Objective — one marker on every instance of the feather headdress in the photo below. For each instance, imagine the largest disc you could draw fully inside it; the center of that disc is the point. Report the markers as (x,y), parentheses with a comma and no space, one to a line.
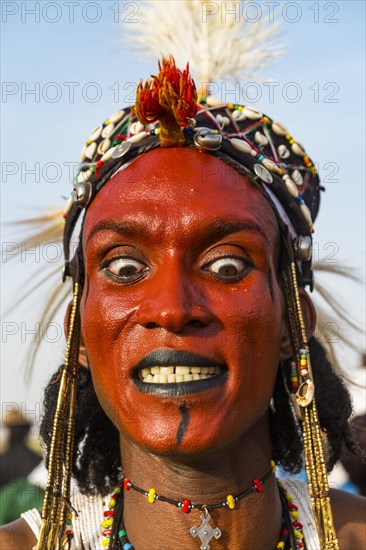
(219,39)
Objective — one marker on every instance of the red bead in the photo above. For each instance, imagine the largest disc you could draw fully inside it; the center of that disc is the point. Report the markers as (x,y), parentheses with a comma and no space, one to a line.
(106,532)
(115,496)
(126,485)
(258,486)
(108,513)
(297,524)
(186,508)
(292,506)
(299,544)
(69,532)
(284,532)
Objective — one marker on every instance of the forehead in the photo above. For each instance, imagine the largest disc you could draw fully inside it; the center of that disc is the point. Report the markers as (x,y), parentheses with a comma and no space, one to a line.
(181,187)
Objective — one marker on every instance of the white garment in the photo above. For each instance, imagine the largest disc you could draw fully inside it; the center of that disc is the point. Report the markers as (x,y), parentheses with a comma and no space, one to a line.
(86,525)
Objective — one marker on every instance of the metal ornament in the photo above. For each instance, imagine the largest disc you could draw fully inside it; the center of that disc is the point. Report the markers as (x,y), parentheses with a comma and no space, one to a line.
(205,532)
(263,173)
(207,139)
(302,246)
(82,193)
(121,149)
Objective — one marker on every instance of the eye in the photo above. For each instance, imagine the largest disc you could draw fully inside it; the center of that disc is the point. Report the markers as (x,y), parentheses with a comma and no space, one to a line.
(229,268)
(126,269)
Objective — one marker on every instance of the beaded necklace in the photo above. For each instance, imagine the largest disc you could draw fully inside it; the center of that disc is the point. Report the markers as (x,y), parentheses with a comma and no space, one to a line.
(291,530)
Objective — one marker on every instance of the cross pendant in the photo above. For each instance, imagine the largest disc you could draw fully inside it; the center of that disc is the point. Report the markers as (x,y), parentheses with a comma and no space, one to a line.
(205,532)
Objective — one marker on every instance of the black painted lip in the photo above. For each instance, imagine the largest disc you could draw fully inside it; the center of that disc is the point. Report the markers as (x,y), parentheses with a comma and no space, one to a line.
(175,357)
(181,388)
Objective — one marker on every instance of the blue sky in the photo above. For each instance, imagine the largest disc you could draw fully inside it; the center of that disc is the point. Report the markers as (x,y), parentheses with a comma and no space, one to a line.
(325,63)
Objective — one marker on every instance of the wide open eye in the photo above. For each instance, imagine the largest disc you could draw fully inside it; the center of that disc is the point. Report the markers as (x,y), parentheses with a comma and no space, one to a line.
(229,268)
(126,269)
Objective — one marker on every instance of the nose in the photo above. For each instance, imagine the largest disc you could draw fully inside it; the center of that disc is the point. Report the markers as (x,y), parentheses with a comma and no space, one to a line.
(173,303)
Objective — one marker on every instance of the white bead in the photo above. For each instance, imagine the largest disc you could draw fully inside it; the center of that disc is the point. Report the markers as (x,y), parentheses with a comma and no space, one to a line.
(108,154)
(241,145)
(306,213)
(83,153)
(137,137)
(279,129)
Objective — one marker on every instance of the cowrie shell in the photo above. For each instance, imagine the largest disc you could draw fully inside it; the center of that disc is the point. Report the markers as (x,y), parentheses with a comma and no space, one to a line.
(279,128)
(104,146)
(305,393)
(241,145)
(252,114)
(297,177)
(90,150)
(136,127)
(298,149)
(116,117)
(108,130)
(222,120)
(260,138)
(290,185)
(95,134)
(283,151)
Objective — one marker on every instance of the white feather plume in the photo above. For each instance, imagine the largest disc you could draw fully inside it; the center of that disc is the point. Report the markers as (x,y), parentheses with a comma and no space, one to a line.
(215,37)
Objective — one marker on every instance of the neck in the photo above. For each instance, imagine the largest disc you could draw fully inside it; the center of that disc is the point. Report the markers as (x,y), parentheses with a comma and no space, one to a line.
(204,479)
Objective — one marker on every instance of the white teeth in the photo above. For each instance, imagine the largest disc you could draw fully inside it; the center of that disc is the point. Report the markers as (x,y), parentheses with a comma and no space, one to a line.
(174,374)
(182,370)
(166,370)
(196,370)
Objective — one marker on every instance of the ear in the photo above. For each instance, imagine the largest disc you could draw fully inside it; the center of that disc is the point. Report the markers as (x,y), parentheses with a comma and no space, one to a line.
(309,317)
(83,357)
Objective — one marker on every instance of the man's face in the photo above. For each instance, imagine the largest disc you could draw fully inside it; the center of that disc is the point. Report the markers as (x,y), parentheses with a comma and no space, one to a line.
(180,256)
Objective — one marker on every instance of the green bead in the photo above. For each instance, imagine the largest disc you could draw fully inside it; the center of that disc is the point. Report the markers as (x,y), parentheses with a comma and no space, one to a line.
(121,533)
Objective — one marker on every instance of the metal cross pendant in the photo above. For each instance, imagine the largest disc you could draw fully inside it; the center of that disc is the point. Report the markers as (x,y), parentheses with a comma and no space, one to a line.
(205,532)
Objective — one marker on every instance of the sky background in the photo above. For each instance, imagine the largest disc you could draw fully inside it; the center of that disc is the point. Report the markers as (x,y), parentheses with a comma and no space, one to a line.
(53,52)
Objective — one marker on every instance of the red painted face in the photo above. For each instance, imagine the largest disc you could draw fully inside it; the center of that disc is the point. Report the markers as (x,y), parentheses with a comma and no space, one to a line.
(180,254)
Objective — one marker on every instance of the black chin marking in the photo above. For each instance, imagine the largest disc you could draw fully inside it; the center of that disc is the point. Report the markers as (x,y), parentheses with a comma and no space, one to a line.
(270,283)
(183,425)
(87,287)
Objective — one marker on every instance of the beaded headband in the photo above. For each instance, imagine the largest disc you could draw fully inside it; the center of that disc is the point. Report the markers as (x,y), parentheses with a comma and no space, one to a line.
(167,114)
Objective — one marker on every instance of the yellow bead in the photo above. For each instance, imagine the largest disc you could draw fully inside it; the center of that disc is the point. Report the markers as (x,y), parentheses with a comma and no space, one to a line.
(230,105)
(240,108)
(280,545)
(112,503)
(295,514)
(105,542)
(289,497)
(107,522)
(69,515)
(303,362)
(273,466)
(117,490)
(230,502)
(151,495)
(298,534)
(106,122)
